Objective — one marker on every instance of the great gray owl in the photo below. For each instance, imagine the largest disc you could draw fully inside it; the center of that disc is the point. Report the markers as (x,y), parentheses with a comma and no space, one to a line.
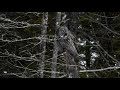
(65,41)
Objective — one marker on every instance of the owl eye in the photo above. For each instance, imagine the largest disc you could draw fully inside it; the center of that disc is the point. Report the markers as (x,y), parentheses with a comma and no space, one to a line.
(65,34)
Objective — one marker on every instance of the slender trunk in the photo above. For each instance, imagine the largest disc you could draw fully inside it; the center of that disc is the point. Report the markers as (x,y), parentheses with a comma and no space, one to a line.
(55,49)
(72,70)
(73,24)
(88,55)
(43,44)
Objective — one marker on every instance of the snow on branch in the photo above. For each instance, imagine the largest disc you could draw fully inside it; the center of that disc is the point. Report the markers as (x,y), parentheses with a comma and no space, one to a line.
(15,24)
(99,70)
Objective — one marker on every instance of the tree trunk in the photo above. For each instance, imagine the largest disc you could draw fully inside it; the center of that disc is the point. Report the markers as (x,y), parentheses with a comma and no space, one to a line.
(55,49)
(88,55)
(43,44)
(72,25)
(72,70)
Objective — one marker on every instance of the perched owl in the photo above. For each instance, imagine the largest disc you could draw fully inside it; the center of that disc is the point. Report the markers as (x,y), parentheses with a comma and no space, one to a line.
(65,41)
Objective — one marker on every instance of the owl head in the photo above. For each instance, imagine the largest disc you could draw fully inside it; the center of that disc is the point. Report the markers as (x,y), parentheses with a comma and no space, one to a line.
(62,32)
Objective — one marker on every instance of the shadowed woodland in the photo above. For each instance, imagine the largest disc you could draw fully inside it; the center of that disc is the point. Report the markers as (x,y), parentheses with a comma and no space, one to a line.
(59,44)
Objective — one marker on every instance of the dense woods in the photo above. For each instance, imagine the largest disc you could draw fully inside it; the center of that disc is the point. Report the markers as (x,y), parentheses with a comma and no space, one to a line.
(59,44)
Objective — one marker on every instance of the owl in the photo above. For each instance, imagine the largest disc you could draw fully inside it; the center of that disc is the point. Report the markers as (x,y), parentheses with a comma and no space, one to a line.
(65,41)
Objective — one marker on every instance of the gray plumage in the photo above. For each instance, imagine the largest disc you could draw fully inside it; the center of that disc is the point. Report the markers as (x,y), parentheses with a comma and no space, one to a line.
(65,41)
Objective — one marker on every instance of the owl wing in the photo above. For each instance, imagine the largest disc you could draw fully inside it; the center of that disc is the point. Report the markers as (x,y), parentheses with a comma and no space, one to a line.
(71,48)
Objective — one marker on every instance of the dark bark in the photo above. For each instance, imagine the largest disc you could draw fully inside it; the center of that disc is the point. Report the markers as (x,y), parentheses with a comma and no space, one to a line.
(87,54)
(73,23)
(71,69)
(72,58)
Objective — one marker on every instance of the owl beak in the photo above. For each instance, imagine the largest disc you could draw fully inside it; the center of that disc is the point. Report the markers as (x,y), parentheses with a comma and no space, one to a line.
(62,36)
